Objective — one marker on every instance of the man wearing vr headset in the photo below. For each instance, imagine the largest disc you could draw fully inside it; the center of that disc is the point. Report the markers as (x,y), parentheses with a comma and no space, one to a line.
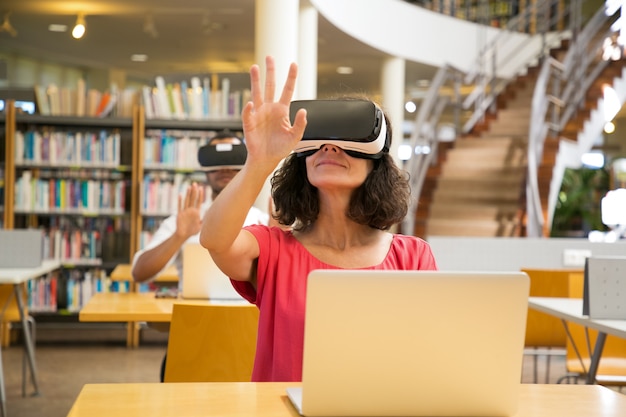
(339,189)
(222,158)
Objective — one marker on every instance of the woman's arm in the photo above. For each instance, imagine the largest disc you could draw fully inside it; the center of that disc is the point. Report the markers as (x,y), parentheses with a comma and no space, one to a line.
(270,137)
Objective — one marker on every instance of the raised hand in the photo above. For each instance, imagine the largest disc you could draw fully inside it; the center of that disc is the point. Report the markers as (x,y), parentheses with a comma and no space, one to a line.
(188,220)
(269,134)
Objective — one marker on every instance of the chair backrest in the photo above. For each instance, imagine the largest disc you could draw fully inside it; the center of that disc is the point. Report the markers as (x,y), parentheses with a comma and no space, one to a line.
(613,360)
(544,330)
(211,343)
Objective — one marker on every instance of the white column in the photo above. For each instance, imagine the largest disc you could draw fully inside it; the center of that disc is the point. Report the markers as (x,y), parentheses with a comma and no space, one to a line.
(393,75)
(307,52)
(276,34)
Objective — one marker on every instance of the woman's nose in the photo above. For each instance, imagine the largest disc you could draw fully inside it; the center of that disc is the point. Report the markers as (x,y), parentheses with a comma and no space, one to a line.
(327,147)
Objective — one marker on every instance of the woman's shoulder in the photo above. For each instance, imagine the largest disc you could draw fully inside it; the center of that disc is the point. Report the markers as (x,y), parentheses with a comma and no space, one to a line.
(270,232)
(411,252)
(407,240)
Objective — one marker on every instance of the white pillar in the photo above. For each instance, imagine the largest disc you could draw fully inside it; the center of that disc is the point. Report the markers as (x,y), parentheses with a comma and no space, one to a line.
(393,75)
(276,34)
(307,52)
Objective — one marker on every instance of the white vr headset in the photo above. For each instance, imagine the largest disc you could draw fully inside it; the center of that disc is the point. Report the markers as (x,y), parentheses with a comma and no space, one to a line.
(222,156)
(356,126)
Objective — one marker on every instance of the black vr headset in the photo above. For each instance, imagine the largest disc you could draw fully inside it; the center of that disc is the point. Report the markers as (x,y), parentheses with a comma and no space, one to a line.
(222,156)
(356,126)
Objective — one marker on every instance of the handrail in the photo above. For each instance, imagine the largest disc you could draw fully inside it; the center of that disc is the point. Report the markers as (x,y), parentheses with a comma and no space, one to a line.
(485,86)
(569,80)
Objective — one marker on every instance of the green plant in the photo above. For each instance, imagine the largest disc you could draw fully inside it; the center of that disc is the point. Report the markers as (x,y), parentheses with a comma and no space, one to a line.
(578,206)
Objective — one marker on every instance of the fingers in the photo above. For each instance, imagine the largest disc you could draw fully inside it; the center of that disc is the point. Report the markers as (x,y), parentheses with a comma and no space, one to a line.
(255,88)
(270,81)
(299,123)
(194,197)
(290,84)
(200,197)
(188,196)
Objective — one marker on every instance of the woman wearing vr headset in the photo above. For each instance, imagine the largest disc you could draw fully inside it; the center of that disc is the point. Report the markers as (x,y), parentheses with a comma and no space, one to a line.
(340,192)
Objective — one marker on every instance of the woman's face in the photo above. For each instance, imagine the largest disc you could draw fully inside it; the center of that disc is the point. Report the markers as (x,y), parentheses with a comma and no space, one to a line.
(332,168)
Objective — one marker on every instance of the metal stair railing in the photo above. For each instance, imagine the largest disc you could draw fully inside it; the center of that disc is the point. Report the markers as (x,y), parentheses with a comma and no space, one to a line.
(559,93)
(448,87)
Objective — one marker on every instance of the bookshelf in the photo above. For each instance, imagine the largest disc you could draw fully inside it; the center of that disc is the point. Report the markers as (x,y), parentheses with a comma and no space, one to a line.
(86,183)
(72,181)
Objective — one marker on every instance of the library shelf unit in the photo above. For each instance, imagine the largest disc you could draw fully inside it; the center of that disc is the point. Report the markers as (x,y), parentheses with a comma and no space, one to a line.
(81,180)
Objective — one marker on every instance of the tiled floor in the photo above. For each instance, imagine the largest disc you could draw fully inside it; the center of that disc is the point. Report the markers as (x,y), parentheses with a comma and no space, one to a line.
(64,368)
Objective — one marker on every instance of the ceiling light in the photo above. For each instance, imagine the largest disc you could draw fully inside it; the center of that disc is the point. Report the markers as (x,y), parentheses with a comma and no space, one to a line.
(149,27)
(55,27)
(139,57)
(7,27)
(79,28)
(345,70)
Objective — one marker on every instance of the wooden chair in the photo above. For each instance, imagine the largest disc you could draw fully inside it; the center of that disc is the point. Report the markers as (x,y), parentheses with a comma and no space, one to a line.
(612,366)
(211,343)
(545,335)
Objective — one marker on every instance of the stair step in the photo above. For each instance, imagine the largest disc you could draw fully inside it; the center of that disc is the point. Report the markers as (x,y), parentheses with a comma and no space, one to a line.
(465,228)
(490,184)
(460,195)
(473,211)
(492,141)
(449,171)
(487,157)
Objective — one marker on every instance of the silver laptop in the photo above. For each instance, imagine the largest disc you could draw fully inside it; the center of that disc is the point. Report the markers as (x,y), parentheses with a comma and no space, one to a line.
(412,343)
(202,279)
(21,248)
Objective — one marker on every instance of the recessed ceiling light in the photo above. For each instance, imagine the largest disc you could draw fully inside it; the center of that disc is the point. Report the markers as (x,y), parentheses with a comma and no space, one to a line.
(345,70)
(139,57)
(57,28)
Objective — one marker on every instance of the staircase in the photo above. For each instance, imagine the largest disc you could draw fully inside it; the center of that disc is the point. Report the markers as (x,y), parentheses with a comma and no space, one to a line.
(477,188)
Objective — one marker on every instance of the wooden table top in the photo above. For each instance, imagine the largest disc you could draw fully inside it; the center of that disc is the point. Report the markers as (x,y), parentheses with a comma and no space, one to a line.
(122,272)
(136,306)
(270,400)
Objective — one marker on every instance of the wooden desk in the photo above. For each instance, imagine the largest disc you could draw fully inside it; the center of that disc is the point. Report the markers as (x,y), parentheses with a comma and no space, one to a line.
(571,309)
(16,277)
(122,272)
(133,307)
(270,400)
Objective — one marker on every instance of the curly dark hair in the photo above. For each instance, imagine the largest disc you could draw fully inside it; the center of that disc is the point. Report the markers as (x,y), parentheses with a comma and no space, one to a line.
(380,202)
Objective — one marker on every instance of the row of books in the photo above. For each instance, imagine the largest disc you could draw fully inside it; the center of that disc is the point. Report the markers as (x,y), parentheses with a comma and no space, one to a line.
(47,147)
(73,246)
(69,289)
(42,294)
(174,149)
(160,191)
(199,99)
(80,286)
(52,100)
(69,195)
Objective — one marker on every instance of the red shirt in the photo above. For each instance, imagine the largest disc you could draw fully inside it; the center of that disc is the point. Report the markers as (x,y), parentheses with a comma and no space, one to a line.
(283,267)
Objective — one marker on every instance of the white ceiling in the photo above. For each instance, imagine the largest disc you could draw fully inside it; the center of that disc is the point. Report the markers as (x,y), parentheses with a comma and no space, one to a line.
(193,37)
